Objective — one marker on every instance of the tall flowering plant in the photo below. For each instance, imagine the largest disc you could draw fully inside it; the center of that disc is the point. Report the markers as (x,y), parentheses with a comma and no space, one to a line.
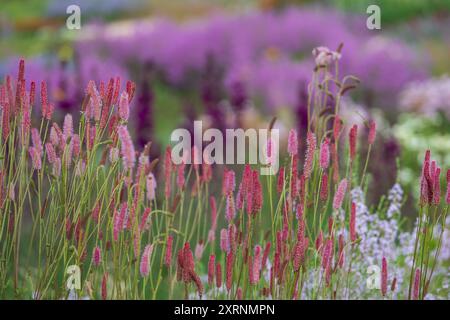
(80,194)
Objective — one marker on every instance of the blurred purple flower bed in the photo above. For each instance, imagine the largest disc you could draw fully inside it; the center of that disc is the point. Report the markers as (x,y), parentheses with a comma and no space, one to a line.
(258,54)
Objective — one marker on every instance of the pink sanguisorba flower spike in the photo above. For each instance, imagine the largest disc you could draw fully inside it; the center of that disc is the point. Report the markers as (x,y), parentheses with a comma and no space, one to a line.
(325,154)
(32,92)
(144,225)
(35,158)
(229,270)
(353,136)
(212,202)
(67,127)
(309,158)
(151,186)
(416,288)
(230,210)
(76,147)
(36,140)
(124,107)
(211,269)
(218,275)
(239,293)
(168,255)
(127,148)
(265,255)
(447,198)
(224,240)
(144,267)
(372,132)
(56,170)
(353,223)
(167,172)
(257,264)
(340,194)
(258,195)
(280,182)
(293,142)
(104,286)
(97,256)
(44,100)
(384,276)
(437,187)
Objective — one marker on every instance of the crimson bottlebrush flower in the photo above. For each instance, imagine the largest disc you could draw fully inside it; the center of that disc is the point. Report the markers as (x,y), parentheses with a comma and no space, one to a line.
(151,186)
(416,288)
(325,154)
(352,141)
(97,256)
(353,223)
(393,284)
(124,108)
(168,171)
(437,187)
(341,257)
(35,158)
(144,225)
(265,255)
(168,255)
(187,263)
(75,145)
(337,126)
(56,170)
(116,91)
(230,182)
(293,142)
(372,131)
(340,194)
(144,267)
(384,276)
(326,254)
(229,270)
(294,174)
(257,196)
(113,154)
(230,210)
(299,253)
(256,265)
(51,154)
(117,225)
(218,275)
(447,198)
(96,212)
(127,148)
(224,240)
(324,187)
(32,92)
(5,120)
(299,212)
(309,158)
(44,100)
(37,142)
(131,88)
(67,127)
(239,293)
(232,238)
(335,159)
(212,202)
(104,286)
(280,182)
(211,269)
(426,183)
